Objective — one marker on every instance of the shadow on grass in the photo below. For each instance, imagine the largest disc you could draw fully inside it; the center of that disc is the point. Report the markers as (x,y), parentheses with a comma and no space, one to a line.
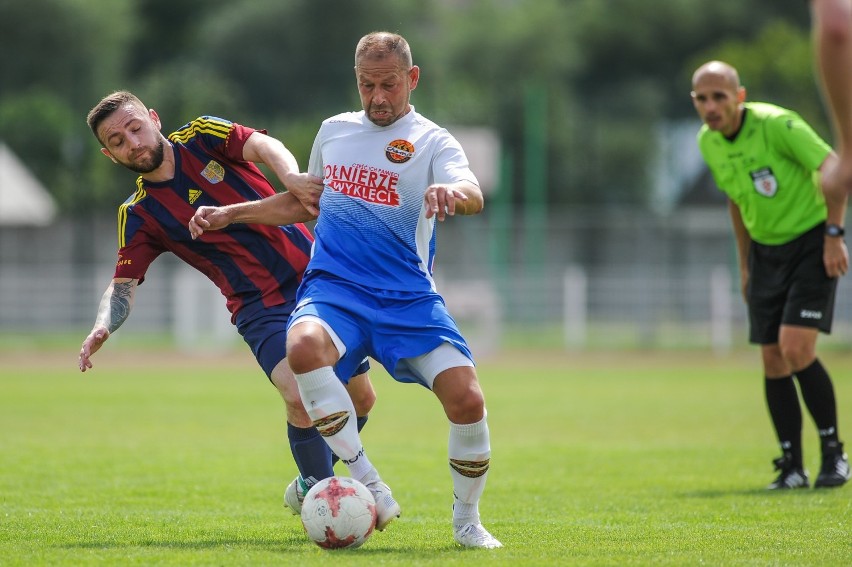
(754,492)
(272,545)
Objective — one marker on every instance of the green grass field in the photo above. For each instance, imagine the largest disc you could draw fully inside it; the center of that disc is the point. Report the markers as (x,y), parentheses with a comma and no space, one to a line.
(608,459)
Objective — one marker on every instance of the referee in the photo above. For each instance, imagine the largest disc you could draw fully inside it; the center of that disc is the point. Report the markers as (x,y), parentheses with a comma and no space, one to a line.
(791,253)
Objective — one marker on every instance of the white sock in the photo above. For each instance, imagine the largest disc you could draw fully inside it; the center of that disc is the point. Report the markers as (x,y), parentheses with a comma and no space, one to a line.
(470,453)
(328,404)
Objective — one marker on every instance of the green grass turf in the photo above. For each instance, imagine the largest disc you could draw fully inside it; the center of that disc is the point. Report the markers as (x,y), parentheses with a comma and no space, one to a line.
(607,459)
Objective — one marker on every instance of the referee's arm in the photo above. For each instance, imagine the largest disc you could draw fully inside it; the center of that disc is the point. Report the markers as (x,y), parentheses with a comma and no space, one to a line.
(743,243)
(835,254)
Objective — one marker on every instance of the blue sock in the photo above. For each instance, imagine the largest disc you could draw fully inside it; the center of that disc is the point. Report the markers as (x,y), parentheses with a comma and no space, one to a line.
(312,455)
(361,421)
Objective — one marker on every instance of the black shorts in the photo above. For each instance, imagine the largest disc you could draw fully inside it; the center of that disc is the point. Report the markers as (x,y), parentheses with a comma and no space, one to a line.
(788,286)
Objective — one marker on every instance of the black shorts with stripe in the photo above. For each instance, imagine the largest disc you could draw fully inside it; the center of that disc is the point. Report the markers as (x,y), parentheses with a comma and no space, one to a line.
(788,286)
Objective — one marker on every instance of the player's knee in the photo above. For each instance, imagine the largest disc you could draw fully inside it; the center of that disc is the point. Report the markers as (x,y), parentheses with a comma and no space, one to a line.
(798,355)
(467,406)
(363,396)
(309,347)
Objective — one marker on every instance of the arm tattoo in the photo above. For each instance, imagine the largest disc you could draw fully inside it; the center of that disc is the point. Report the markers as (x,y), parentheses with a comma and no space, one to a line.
(119,305)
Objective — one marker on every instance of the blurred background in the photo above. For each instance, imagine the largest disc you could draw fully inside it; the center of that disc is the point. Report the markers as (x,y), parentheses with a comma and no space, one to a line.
(602,227)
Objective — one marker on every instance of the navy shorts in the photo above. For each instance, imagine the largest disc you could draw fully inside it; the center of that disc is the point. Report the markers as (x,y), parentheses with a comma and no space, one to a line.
(788,286)
(266,335)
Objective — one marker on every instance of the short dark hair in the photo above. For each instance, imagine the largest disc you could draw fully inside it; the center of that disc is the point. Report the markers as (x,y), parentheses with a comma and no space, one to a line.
(380,44)
(107,106)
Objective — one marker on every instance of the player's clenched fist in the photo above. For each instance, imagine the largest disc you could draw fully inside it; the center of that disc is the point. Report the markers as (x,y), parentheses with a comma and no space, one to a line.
(208,218)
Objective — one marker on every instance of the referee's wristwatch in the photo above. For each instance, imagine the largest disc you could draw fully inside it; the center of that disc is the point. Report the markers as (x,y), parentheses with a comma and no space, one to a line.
(834,230)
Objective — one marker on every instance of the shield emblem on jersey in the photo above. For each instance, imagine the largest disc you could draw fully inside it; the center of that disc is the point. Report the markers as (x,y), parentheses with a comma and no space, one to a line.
(765,182)
(213,172)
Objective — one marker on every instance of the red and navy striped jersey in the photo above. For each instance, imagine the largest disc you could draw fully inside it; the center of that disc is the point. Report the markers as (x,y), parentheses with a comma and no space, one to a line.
(255,266)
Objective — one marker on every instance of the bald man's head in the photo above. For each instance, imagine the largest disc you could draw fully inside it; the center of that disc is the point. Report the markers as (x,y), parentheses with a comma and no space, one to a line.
(720,70)
(718,97)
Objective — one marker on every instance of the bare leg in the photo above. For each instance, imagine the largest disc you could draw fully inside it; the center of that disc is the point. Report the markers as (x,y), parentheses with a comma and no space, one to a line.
(832,34)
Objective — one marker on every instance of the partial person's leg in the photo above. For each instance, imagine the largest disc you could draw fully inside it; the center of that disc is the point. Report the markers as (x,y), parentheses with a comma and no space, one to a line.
(363,398)
(310,452)
(362,394)
(454,382)
(818,395)
(312,354)
(782,400)
(266,336)
(470,443)
(832,35)
(798,345)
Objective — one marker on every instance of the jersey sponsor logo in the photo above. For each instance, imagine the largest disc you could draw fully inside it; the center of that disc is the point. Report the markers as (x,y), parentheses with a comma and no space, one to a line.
(213,172)
(193,195)
(399,151)
(371,184)
(810,314)
(764,181)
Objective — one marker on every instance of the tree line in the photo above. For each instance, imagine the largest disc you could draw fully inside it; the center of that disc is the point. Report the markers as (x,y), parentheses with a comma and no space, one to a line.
(607,72)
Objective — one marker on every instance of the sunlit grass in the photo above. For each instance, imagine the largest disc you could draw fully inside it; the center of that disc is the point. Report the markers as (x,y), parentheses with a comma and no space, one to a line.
(609,459)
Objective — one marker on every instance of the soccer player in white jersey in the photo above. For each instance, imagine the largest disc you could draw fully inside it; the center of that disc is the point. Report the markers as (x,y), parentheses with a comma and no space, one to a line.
(389,174)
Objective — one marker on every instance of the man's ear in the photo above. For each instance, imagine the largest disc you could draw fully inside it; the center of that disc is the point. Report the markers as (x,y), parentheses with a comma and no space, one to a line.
(413,76)
(108,154)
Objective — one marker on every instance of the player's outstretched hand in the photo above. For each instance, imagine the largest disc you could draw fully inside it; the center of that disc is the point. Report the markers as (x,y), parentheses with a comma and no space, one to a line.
(207,218)
(441,201)
(307,189)
(91,345)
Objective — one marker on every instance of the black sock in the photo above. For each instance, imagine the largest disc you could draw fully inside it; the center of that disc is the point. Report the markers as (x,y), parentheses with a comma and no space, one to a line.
(818,394)
(362,421)
(783,403)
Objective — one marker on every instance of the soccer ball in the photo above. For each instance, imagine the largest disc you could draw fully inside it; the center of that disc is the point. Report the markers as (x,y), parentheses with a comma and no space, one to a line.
(339,512)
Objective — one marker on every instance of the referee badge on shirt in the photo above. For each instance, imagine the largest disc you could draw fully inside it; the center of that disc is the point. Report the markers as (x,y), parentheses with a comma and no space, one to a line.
(764,181)
(213,172)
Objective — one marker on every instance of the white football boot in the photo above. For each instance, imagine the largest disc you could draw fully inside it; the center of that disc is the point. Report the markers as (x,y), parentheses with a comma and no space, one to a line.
(475,535)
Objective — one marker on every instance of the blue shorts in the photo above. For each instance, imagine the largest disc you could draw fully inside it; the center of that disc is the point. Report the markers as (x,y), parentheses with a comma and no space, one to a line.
(266,335)
(385,325)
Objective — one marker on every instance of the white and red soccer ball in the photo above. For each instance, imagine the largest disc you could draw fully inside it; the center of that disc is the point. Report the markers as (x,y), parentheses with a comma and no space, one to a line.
(339,512)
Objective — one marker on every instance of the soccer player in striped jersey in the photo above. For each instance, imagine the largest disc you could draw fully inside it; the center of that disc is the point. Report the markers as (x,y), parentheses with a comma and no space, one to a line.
(791,252)
(211,161)
(389,174)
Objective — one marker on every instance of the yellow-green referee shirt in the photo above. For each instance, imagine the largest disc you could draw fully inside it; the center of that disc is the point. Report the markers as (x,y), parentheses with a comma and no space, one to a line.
(769,171)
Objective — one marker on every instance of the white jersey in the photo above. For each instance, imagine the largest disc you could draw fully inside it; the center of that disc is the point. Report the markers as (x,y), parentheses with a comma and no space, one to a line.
(372,227)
